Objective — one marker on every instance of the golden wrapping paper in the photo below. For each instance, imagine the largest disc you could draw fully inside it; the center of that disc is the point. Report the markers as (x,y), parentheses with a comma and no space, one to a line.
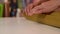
(52,19)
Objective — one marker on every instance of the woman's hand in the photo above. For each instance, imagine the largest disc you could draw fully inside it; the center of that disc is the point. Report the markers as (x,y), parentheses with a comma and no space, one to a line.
(45,7)
(30,6)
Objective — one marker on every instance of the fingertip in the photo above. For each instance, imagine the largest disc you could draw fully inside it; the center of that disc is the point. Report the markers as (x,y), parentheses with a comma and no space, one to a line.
(40,11)
(30,14)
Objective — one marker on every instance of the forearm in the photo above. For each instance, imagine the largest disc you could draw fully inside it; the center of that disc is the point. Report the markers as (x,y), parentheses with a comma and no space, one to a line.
(57,1)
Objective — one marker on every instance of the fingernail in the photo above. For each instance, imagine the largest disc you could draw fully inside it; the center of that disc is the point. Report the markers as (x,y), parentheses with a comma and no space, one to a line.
(39,11)
(30,14)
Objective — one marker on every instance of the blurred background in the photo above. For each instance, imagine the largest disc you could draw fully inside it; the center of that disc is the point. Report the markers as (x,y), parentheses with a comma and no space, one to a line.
(8,8)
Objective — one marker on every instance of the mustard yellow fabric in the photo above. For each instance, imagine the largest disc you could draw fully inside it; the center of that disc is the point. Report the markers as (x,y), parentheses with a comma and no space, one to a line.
(51,19)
